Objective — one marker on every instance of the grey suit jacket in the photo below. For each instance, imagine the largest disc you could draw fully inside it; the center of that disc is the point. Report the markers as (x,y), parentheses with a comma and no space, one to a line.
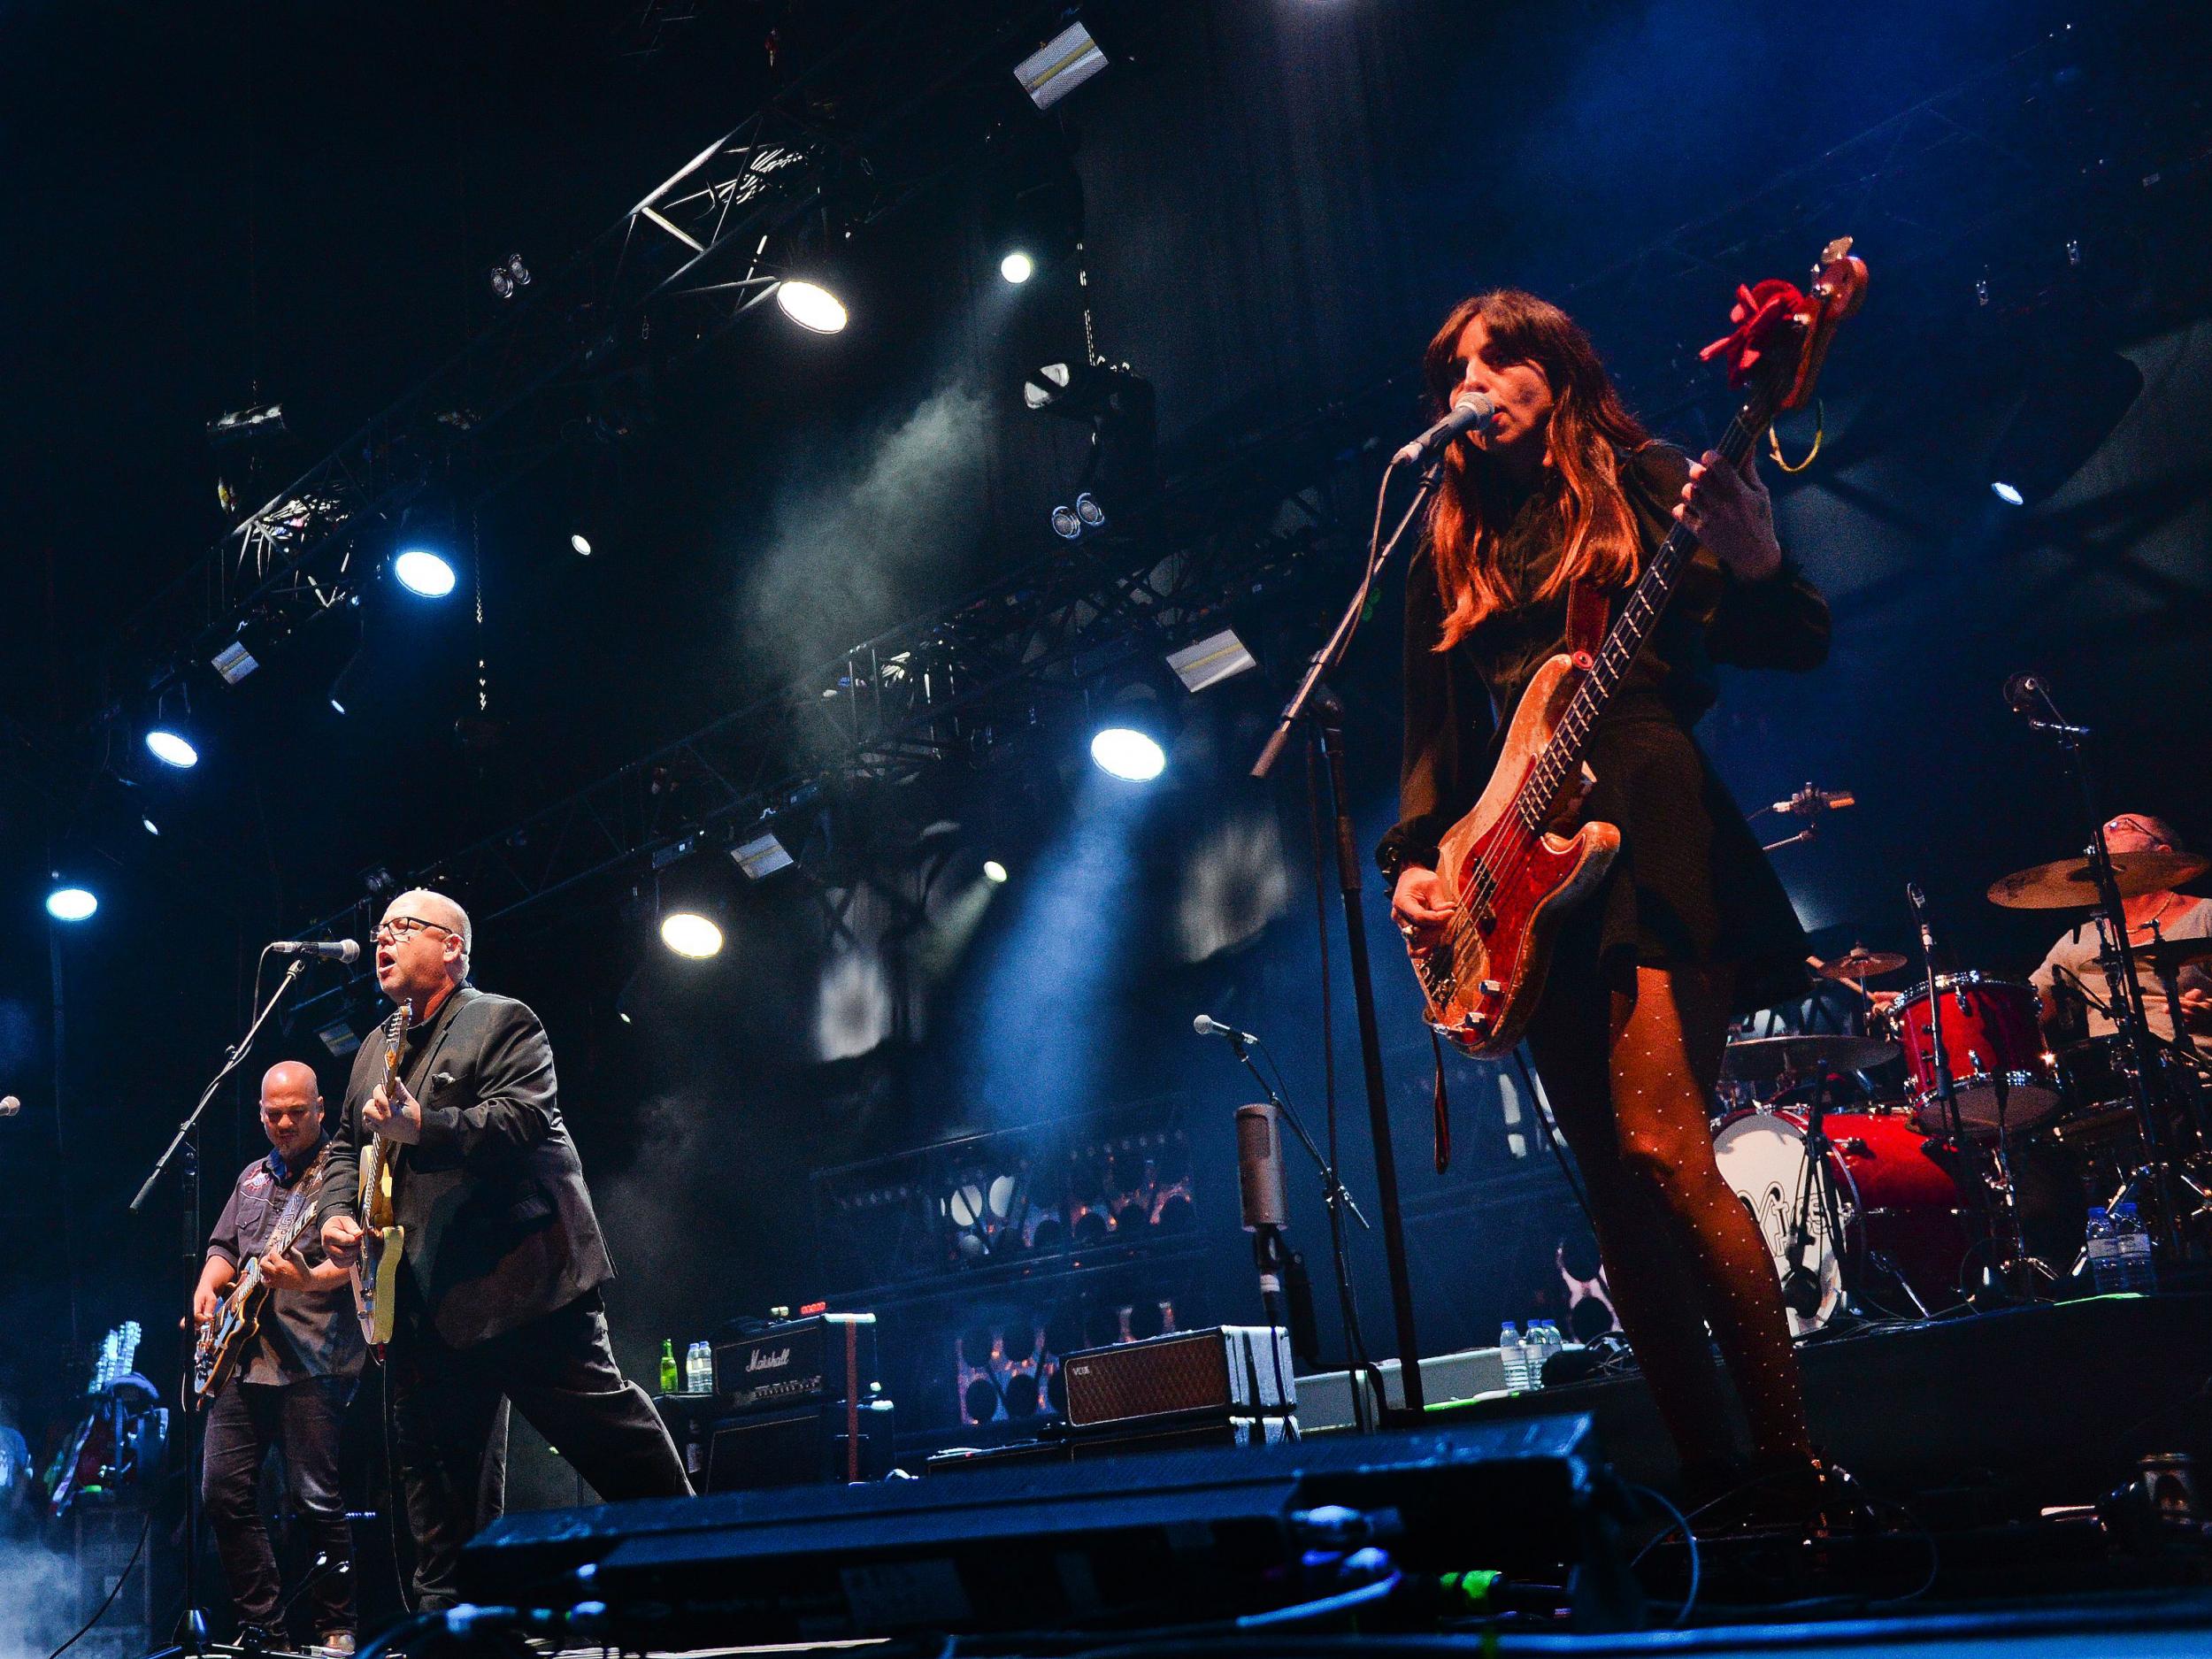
(500,1224)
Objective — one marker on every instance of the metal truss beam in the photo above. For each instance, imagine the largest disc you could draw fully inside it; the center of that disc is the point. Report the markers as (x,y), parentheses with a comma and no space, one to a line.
(576,347)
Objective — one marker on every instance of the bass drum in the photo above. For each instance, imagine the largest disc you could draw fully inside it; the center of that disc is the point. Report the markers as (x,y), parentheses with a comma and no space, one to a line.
(1899,1212)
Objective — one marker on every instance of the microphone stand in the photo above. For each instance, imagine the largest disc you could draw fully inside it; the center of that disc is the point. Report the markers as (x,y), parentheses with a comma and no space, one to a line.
(1314,700)
(1339,1199)
(184,1150)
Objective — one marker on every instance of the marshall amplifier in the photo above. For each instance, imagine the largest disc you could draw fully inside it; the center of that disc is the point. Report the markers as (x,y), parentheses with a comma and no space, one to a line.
(1239,1371)
(825,1360)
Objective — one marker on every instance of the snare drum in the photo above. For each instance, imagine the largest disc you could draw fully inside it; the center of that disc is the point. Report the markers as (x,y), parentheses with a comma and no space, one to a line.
(1900,1210)
(2000,1076)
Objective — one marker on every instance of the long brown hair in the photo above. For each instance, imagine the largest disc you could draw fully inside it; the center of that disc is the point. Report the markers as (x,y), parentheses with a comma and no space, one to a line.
(1589,426)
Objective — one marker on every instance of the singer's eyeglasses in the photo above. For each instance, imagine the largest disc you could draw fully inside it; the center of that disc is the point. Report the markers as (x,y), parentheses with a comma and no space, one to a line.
(398,927)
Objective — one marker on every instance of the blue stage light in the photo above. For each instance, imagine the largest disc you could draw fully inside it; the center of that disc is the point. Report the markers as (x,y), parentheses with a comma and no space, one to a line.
(422,572)
(71,905)
(1122,751)
(170,748)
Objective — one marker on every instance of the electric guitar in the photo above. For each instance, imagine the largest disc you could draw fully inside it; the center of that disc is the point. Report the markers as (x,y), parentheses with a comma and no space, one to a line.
(237,1318)
(383,1241)
(1519,861)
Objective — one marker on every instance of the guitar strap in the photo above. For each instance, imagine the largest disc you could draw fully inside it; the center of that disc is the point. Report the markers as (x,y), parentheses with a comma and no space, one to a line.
(1589,614)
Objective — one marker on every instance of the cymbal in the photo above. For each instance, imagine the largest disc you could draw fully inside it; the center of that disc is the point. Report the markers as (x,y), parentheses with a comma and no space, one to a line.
(1859,963)
(2171,956)
(1758,1059)
(2067,884)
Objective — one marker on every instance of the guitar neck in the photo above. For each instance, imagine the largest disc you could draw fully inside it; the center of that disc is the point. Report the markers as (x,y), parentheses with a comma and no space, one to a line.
(1638,617)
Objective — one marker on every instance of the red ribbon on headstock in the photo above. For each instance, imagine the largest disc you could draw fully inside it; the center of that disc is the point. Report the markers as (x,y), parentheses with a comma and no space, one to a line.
(1757,313)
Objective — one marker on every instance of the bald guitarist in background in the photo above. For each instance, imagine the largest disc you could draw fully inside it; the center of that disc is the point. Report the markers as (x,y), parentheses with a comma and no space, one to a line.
(498,1289)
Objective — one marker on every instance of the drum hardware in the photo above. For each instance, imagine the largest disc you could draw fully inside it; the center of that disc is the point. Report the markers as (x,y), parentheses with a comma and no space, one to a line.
(1805,806)
(2103,880)
(1945,1095)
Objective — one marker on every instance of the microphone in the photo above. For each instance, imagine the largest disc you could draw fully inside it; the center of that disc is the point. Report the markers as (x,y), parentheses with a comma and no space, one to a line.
(328,950)
(1919,903)
(1470,411)
(2029,696)
(1810,802)
(1207,1026)
(10,1105)
(1260,1167)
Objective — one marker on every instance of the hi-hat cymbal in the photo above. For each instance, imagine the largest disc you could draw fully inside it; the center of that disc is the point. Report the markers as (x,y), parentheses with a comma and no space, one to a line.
(1759,1059)
(1859,963)
(2067,884)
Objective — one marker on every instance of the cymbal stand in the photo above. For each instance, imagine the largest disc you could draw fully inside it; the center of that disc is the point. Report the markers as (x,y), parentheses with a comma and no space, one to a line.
(1800,1285)
(2117,957)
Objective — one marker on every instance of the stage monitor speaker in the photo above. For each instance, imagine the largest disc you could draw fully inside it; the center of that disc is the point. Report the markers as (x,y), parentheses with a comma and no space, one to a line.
(1183,1536)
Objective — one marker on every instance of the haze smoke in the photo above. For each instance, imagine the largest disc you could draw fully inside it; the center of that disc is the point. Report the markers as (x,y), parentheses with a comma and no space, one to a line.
(850,556)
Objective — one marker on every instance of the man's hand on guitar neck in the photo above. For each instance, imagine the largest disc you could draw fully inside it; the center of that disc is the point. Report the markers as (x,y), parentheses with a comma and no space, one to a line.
(341,1239)
(402,1123)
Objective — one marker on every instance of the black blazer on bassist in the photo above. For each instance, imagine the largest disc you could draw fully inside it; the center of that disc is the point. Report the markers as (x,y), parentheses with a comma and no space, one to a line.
(500,1225)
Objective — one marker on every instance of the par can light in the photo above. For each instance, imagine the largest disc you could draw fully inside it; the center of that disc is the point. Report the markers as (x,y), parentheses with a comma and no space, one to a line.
(170,748)
(1124,752)
(688,933)
(810,305)
(423,573)
(71,905)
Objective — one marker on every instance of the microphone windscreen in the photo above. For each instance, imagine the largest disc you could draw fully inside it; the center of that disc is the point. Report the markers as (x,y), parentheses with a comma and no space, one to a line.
(1260,1168)
(1203,1025)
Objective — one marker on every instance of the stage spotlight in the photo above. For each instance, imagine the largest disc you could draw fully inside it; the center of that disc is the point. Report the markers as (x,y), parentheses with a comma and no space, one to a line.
(1209,661)
(423,573)
(2008,493)
(1018,267)
(581,543)
(1065,524)
(810,305)
(1087,510)
(171,750)
(1122,751)
(505,279)
(71,905)
(994,872)
(762,856)
(688,933)
(149,826)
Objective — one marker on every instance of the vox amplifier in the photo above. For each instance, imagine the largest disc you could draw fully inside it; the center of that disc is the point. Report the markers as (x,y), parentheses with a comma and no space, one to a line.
(1240,1370)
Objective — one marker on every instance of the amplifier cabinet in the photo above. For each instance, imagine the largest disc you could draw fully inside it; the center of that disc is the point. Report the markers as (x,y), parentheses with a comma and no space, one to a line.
(1231,1370)
(824,1359)
(800,1446)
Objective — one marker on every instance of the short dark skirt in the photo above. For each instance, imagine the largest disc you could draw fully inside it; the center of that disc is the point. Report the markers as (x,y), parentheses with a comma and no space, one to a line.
(1690,886)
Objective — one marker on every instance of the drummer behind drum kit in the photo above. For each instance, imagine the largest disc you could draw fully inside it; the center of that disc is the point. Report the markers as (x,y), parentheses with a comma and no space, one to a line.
(1909,1198)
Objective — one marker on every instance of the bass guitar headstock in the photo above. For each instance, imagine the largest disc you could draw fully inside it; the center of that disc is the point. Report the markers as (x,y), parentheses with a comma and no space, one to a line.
(1782,335)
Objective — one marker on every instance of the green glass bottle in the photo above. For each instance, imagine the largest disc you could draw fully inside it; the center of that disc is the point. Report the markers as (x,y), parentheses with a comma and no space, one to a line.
(669,1383)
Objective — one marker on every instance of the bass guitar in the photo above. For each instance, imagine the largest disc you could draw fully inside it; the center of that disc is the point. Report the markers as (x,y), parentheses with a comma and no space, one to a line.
(1519,862)
(225,1338)
(383,1241)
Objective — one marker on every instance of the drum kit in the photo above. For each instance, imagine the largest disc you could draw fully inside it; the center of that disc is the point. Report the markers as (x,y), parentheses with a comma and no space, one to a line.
(1959,1175)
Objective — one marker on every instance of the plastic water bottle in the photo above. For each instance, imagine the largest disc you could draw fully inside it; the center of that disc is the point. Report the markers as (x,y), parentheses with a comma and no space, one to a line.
(1515,1353)
(2138,1272)
(1548,1342)
(698,1368)
(2104,1251)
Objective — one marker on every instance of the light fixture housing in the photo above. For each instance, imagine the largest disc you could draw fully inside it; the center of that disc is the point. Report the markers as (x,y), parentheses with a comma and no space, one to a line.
(71,903)
(1060,65)
(811,306)
(424,573)
(762,856)
(1124,752)
(690,934)
(171,749)
(1209,661)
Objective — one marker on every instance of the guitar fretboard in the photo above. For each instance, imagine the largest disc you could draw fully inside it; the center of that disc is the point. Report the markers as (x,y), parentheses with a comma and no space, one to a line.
(1638,617)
